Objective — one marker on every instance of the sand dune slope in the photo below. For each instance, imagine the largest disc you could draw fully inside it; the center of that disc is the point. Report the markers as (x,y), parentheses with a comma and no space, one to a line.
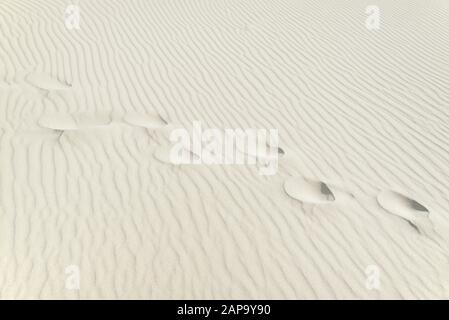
(363,120)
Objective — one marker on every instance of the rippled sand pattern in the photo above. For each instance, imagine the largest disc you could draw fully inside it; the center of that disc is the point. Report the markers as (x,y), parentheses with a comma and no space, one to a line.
(85,178)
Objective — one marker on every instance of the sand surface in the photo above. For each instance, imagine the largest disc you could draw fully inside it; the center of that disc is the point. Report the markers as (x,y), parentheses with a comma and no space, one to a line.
(86,188)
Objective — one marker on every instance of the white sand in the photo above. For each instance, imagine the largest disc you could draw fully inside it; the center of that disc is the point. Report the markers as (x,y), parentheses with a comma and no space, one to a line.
(363,119)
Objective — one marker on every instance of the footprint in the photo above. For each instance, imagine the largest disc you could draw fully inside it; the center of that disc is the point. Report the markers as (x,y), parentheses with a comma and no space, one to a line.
(77,121)
(406,208)
(410,210)
(148,121)
(46,82)
(58,122)
(308,191)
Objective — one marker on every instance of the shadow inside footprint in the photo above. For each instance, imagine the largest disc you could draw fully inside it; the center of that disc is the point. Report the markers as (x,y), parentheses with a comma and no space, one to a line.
(326,191)
(417,206)
(308,191)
